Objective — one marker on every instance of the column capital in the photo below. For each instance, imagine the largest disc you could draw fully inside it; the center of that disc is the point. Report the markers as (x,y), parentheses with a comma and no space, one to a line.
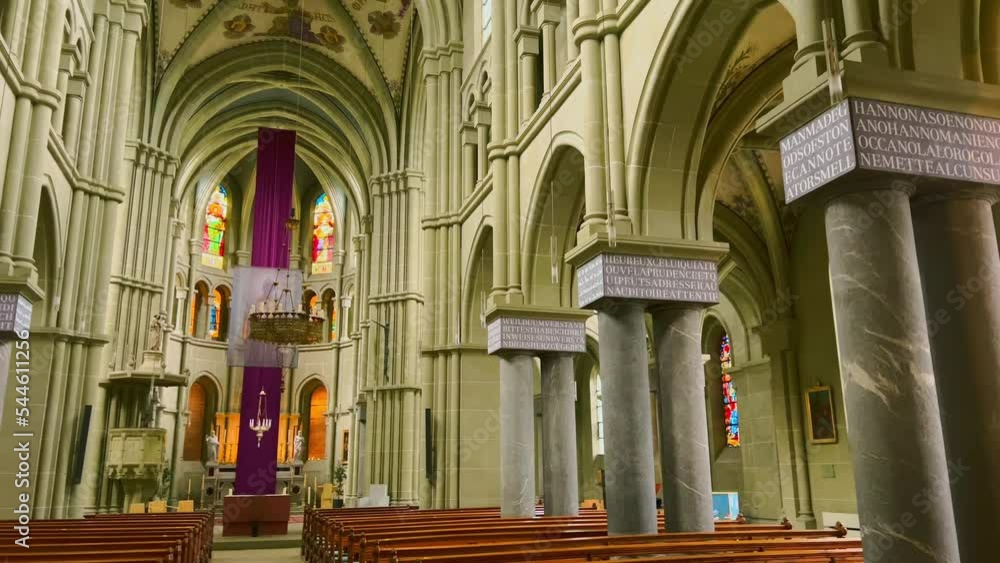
(469,134)
(78,83)
(547,12)
(482,115)
(528,41)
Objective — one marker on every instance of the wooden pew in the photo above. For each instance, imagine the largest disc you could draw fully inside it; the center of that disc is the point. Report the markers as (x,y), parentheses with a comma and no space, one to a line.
(358,544)
(334,532)
(587,549)
(405,535)
(145,538)
(413,549)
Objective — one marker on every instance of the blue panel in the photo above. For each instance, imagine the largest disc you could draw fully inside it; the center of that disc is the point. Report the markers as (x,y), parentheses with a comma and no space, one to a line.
(726,506)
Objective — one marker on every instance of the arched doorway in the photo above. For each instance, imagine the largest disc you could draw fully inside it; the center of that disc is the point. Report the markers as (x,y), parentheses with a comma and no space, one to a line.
(314,405)
(201,413)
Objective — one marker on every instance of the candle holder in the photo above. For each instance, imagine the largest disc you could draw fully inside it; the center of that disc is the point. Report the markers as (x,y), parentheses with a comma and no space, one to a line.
(262,423)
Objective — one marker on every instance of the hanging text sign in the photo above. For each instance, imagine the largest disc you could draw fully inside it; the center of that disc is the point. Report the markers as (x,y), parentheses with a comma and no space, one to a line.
(648,278)
(862,134)
(537,335)
(15,314)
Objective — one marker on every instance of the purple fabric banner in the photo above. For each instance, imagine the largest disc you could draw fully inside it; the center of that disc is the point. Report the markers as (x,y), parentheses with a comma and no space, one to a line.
(257,465)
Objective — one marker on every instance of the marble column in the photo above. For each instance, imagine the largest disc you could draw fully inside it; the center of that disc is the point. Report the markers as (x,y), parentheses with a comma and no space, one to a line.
(684,454)
(628,421)
(904,502)
(960,269)
(559,474)
(517,436)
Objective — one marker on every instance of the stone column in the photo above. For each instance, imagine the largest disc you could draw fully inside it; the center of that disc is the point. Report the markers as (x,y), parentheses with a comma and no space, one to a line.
(684,454)
(548,56)
(628,420)
(594,124)
(778,338)
(547,15)
(482,142)
(892,410)
(517,436)
(572,12)
(620,280)
(67,61)
(527,49)
(40,124)
(516,334)
(559,474)
(468,159)
(864,40)
(74,106)
(960,268)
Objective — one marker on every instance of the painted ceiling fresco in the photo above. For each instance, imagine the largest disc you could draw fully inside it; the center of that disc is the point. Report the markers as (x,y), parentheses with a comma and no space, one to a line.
(357,34)
(770,31)
(734,194)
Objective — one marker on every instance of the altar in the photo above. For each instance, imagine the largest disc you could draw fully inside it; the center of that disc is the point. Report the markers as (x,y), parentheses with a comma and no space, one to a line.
(256,515)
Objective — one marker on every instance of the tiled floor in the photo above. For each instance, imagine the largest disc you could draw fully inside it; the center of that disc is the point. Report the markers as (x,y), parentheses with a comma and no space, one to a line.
(257,556)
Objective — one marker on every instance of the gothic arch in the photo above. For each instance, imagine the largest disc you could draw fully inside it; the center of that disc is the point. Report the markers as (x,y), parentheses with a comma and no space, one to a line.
(663,132)
(477,276)
(555,202)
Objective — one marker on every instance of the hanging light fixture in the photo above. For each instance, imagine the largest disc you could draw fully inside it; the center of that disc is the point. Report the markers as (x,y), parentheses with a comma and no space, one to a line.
(278,320)
(262,423)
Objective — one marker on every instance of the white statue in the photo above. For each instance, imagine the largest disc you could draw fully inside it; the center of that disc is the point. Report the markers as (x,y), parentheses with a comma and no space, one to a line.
(156,329)
(213,447)
(298,454)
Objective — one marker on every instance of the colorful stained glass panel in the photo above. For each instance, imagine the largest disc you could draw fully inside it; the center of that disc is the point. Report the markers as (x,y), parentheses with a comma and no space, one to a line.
(730,405)
(323,236)
(213,246)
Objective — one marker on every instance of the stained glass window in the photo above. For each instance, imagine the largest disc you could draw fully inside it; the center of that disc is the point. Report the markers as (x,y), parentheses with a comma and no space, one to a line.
(333,323)
(213,246)
(322,241)
(729,403)
(214,314)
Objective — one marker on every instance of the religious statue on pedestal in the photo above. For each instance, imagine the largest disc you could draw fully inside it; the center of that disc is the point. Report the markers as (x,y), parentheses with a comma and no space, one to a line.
(298,453)
(156,329)
(213,448)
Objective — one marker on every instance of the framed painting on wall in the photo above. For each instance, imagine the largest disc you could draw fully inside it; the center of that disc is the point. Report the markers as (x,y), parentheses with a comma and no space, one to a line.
(820,415)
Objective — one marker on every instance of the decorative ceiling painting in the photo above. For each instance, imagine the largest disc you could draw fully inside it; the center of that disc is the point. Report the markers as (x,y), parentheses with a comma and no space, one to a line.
(386,25)
(357,34)
(734,193)
(770,31)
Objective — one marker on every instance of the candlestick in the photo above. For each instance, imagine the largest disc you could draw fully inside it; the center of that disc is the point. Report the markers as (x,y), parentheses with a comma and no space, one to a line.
(189,487)
(284,490)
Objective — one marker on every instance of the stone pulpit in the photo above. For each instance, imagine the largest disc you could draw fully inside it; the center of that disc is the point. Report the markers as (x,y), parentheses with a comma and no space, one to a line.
(135,459)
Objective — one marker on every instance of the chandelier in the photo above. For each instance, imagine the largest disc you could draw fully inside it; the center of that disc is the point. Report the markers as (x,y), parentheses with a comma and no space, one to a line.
(277,320)
(262,423)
